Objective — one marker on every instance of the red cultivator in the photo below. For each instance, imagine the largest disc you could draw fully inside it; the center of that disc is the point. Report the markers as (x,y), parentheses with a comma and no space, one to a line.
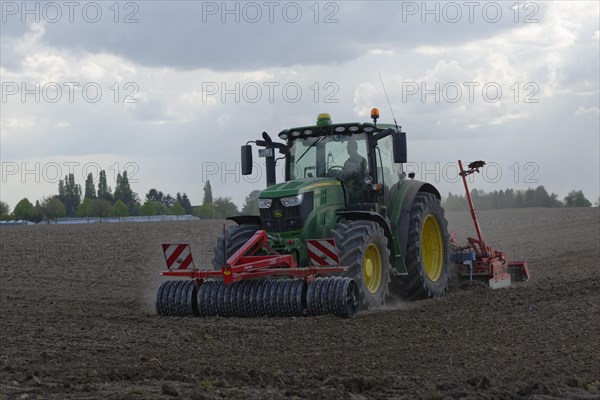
(234,291)
(478,260)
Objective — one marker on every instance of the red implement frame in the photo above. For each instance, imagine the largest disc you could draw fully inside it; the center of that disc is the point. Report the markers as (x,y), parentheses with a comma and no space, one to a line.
(489,261)
(246,264)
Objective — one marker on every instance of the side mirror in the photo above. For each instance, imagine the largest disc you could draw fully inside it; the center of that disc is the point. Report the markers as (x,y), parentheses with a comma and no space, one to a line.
(400,153)
(246,159)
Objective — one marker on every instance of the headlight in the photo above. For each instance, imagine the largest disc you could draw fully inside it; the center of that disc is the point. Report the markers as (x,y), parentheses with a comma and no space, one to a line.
(291,201)
(265,203)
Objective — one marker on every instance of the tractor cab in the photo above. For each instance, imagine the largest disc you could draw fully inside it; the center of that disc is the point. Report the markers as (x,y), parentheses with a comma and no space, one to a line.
(363,159)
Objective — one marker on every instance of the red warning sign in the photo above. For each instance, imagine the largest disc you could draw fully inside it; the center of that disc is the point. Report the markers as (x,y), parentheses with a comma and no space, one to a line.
(178,256)
(322,252)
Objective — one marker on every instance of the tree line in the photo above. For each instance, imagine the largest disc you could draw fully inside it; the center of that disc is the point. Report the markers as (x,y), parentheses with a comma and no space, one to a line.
(510,198)
(97,201)
(100,201)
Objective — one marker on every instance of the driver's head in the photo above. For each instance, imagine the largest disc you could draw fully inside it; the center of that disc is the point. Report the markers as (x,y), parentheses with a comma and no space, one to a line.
(352,147)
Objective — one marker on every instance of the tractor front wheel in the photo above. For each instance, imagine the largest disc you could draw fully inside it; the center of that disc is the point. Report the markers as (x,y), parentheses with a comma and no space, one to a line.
(235,237)
(362,246)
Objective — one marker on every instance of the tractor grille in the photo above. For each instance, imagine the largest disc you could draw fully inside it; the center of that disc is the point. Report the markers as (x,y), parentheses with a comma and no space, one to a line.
(278,218)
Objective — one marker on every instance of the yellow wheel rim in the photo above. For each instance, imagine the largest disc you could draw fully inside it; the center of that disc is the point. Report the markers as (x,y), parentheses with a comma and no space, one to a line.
(432,248)
(372,270)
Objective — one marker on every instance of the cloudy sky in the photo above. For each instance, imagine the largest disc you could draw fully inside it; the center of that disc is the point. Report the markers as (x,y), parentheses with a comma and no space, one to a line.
(169,90)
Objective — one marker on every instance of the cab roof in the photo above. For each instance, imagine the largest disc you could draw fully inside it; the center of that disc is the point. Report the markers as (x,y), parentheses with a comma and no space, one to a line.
(347,128)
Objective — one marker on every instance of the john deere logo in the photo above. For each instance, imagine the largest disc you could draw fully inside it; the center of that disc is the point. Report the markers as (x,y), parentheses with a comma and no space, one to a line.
(278,213)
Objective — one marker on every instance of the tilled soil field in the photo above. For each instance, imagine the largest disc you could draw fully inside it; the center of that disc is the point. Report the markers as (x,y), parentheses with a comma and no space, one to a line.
(77,322)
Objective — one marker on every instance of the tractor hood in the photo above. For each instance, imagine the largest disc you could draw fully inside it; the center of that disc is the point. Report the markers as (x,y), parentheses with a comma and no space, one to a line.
(297,186)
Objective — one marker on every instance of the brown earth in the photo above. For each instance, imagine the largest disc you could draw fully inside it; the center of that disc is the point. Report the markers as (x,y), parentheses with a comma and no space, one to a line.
(77,322)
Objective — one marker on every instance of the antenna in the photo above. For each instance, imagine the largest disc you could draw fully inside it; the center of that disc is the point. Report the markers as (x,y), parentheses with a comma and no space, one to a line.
(388,101)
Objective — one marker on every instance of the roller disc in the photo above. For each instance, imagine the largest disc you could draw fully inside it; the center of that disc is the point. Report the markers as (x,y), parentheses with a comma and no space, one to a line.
(170,299)
(271,299)
(287,297)
(340,290)
(347,299)
(266,305)
(298,296)
(158,303)
(326,295)
(164,298)
(230,305)
(223,301)
(318,296)
(186,298)
(260,304)
(179,298)
(191,298)
(200,302)
(253,300)
(246,298)
(315,302)
(242,295)
(281,299)
(211,298)
(310,294)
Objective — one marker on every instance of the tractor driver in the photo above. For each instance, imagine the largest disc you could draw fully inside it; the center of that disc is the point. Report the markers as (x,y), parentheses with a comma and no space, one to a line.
(354,171)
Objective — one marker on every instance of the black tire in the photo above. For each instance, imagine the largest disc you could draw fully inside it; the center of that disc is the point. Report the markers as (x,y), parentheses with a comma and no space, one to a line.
(352,239)
(419,283)
(235,237)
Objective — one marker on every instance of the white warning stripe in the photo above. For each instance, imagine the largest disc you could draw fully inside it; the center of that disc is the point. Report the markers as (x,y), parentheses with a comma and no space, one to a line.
(185,253)
(170,250)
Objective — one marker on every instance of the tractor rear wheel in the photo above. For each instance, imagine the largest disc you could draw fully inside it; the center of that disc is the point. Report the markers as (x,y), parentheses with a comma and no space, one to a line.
(427,251)
(362,246)
(235,237)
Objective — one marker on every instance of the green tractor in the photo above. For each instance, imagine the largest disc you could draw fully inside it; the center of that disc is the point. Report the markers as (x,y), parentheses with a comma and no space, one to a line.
(345,184)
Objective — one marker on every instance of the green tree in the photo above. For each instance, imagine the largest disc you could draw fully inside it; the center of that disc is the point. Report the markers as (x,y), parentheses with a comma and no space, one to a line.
(185,203)
(577,199)
(53,208)
(4,210)
(120,209)
(24,209)
(224,207)
(204,211)
(519,202)
(37,212)
(148,208)
(124,193)
(90,190)
(177,209)
(69,193)
(251,203)
(84,207)
(155,195)
(104,191)
(161,209)
(100,208)
(208,197)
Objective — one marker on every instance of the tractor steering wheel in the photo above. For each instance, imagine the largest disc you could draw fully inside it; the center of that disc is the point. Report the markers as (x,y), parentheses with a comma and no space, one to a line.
(335,171)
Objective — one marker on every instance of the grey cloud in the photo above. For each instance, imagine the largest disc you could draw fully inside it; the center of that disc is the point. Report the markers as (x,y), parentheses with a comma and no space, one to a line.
(182,35)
